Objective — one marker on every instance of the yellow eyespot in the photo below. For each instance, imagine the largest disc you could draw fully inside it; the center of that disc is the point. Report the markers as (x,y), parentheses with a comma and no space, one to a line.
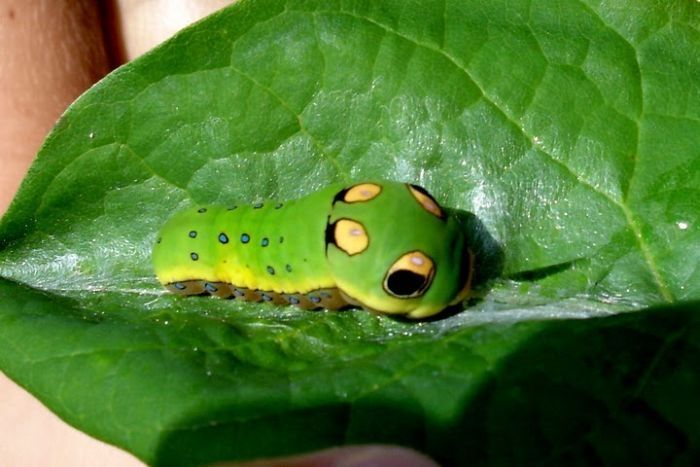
(362,192)
(350,236)
(427,201)
(410,276)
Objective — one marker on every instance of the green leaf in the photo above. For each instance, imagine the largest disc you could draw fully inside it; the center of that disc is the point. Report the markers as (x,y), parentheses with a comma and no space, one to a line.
(569,128)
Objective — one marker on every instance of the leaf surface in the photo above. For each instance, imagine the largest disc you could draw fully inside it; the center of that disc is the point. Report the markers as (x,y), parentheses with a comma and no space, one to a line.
(569,128)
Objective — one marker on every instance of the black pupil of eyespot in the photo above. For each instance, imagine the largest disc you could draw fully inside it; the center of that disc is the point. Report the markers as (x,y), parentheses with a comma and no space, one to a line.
(404,282)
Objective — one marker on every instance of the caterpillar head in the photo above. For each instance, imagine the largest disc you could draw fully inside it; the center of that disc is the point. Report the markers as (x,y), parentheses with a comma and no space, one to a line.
(392,248)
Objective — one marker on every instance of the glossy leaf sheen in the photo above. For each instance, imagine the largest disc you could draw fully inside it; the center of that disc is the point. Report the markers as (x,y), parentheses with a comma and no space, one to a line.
(570,128)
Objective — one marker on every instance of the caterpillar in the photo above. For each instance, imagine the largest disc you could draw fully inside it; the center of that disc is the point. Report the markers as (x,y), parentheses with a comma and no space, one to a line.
(384,246)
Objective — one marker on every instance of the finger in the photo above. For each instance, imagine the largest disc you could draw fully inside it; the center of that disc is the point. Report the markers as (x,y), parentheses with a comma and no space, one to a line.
(52,51)
(348,456)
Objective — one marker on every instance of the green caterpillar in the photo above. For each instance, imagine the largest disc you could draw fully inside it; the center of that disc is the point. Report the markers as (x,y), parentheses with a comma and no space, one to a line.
(383,246)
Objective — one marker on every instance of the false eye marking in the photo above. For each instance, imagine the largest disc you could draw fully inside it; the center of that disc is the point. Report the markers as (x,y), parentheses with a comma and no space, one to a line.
(427,201)
(358,193)
(362,192)
(348,235)
(410,276)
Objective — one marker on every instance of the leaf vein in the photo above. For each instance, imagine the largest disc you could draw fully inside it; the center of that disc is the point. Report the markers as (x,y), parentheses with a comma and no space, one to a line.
(644,248)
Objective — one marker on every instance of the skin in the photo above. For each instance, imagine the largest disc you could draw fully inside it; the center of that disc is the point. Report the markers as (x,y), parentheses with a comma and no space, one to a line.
(57,49)
(52,51)
(57,52)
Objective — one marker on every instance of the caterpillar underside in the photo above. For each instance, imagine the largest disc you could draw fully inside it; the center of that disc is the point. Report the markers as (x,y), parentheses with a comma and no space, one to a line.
(329,298)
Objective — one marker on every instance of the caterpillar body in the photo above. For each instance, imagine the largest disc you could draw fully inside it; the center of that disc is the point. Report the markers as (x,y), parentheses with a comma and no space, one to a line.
(383,246)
